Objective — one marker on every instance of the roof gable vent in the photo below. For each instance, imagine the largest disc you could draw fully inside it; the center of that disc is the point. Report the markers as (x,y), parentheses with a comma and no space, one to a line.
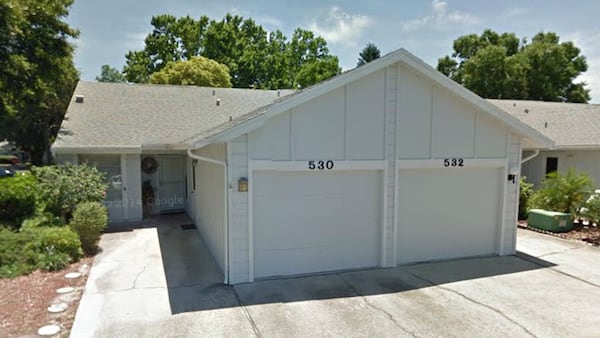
(79,98)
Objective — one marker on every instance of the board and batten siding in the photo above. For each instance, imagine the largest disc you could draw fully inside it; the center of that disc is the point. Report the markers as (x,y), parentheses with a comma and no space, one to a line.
(239,260)
(209,198)
(392,114)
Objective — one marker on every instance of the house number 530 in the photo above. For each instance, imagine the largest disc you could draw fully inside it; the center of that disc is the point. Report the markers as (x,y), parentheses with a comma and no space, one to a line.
(454,162)
(321,165)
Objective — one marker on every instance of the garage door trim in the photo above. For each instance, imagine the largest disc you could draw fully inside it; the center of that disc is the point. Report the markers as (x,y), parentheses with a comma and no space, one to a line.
(302,166)
(490,163)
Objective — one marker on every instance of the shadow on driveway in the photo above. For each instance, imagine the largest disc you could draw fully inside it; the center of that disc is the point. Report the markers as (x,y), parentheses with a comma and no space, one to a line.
(195,282)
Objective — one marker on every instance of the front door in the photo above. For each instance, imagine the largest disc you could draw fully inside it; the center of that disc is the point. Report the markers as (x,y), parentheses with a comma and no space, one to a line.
(171,184)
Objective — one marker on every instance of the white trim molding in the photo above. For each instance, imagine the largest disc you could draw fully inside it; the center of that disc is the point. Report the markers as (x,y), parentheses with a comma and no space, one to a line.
(439,163)
(304,165)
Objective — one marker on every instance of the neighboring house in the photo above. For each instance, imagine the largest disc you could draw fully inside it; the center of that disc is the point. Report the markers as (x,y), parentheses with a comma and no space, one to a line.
(387,164)
(574,128)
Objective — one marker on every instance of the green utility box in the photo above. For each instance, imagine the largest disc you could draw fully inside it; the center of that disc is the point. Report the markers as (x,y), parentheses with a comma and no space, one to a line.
(549,220)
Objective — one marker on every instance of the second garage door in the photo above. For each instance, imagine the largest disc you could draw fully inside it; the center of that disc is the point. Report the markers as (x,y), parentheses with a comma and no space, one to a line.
(447,213)
(312,222)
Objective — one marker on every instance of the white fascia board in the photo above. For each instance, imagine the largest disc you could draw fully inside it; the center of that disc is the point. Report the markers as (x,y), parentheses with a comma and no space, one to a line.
(97,150)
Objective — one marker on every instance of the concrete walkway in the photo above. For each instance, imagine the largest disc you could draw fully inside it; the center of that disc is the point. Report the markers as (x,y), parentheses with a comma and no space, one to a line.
(161,282)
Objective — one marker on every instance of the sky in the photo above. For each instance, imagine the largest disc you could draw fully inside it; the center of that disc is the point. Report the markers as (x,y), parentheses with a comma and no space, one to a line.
(111,28)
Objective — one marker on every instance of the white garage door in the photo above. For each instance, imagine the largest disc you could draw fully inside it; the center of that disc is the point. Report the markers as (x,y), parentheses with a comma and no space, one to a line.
(312,222)
(447,213)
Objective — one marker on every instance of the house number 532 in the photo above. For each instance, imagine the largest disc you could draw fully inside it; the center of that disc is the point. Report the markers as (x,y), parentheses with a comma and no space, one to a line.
(320,165)
(454,162)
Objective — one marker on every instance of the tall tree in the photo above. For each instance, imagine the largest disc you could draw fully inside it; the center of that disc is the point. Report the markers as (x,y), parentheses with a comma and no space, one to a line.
(502,66)
(110,74)
(198,71)
(37,75)
(255,59)
(368,54)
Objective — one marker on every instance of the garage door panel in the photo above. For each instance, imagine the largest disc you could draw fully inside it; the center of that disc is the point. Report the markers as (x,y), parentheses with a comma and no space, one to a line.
(312,222)
(447,213)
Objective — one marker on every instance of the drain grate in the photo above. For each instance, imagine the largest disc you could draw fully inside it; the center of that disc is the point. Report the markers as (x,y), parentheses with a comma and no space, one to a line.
(190,226)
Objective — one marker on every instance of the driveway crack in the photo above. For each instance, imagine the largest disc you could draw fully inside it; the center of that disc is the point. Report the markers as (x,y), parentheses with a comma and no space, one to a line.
(138,276)
(376,308)
(246,313)
(475,302)
(560,252)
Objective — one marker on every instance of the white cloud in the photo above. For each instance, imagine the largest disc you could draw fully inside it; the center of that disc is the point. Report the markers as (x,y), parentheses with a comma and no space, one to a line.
(339,27)
(515,12)
(441,18)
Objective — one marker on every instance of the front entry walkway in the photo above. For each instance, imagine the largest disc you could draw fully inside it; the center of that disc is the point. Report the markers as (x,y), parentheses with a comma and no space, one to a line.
(144,277)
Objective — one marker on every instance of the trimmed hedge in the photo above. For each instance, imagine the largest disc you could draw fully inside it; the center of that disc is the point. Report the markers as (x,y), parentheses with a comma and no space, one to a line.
(89,220)
(17,199)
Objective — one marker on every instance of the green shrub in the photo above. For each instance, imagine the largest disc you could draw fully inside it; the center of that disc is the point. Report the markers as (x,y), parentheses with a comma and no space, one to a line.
(46,248)
(563,193)
(52,259)
(15,258)
(56,240)
(61,188)
(17,199)
(89,220)
(42,220)
(591,208)
(525,192)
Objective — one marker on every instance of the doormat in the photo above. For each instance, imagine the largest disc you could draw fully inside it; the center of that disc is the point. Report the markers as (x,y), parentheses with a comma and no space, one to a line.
(190,226)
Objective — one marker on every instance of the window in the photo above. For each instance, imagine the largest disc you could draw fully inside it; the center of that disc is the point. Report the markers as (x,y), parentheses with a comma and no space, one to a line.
(551,164)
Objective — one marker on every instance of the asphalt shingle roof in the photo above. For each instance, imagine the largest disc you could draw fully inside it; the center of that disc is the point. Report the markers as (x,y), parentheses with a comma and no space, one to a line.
(134,115)
(569,125)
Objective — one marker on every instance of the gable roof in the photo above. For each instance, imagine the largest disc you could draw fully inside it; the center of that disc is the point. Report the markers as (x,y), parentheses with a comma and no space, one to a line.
(257,117)
(569,125)
(116,117)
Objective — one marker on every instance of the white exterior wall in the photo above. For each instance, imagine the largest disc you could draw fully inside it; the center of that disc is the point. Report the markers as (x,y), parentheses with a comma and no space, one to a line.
(209,201)
(587,161)
(239,237)
(508,240)
(393,114)
(132,187)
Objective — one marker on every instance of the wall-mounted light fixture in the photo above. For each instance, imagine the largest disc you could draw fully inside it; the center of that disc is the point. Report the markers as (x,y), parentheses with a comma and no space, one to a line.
(512,174)
(243,184)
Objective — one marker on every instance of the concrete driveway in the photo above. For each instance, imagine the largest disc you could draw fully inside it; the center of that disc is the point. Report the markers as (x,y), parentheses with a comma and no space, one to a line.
(161,282)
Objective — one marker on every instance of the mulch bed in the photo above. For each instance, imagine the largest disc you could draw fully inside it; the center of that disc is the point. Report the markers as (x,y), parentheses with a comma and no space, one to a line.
(24,300)
(589,233)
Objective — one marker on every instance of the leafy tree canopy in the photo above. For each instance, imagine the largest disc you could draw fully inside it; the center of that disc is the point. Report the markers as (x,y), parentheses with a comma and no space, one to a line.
(254,58)
(503,66)
(37,75)
(198,71)
(368,54)
(110,74)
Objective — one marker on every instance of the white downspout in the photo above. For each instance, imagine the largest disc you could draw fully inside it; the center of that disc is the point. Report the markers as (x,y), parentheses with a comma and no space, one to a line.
(225,208)
(535,154)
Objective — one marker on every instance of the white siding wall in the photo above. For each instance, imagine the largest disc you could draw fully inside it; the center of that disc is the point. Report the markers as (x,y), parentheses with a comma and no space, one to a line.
(391,101)
(210,201)
(239,261)
(392,114)
(587,161)
(345,124)
(508,241)
(434,123)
